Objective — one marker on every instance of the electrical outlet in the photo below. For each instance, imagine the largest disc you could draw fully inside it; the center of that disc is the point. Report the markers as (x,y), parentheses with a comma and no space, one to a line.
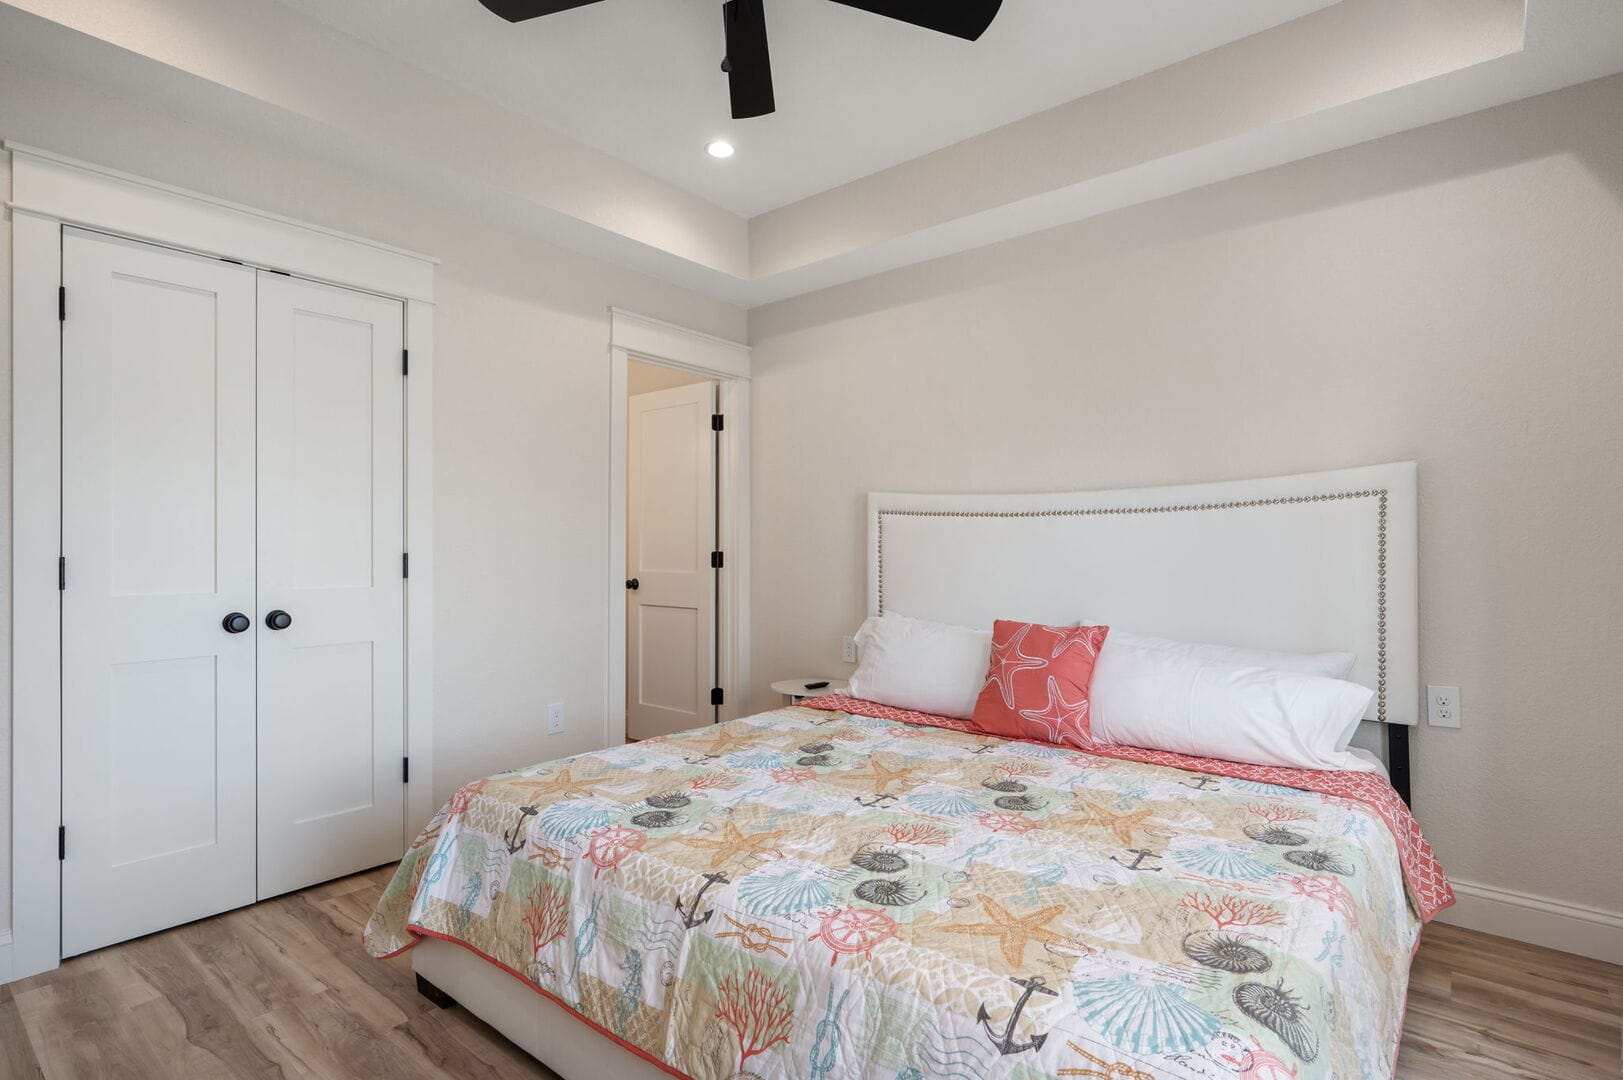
(555,718)
(1443,706)
(848,649)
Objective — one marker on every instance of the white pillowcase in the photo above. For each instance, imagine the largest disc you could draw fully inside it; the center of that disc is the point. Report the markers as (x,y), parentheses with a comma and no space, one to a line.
(1375,764)
(925,666)
(1329,665)
(1176,699)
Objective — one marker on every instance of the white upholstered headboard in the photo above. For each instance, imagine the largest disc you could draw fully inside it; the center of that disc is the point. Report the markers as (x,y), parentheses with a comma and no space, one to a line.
(1317,562)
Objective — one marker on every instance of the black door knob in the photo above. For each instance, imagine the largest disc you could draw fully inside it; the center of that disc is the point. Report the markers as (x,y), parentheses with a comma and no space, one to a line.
(236,622)
(632,584)
(278,620)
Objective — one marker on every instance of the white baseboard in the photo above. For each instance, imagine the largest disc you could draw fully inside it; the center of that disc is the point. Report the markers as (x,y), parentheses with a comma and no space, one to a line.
(1538,920)
(5,956)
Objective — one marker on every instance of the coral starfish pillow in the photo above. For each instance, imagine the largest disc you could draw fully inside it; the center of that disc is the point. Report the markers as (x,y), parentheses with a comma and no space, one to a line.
(1037,684)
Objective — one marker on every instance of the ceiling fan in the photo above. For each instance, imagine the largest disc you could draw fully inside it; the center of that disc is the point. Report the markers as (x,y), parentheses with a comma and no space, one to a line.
(747,63)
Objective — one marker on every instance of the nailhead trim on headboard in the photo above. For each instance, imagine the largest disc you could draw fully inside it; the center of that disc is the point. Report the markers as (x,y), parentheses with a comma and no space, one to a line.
(1378,494)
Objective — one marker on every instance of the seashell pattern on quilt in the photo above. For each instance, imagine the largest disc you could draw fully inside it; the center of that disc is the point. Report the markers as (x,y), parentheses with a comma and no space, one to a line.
(822,894)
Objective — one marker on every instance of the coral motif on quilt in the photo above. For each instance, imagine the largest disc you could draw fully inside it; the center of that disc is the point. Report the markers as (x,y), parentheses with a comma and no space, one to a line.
(817,892)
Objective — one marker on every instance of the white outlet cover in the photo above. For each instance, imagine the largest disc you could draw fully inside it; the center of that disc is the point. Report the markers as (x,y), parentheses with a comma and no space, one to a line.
(848,650)
(555,718)
(1443,706)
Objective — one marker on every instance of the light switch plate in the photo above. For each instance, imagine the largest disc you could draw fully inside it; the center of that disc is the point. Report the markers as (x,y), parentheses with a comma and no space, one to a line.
(848,649)
(555,718)
(1443,706)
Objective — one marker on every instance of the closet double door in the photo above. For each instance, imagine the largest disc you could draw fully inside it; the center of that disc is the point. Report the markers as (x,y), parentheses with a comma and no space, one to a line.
(233,609)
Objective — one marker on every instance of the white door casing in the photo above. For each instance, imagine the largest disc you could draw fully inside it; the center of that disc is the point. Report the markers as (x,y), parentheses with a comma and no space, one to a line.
(158,536)
(331,542)
(653,341)
(671,531)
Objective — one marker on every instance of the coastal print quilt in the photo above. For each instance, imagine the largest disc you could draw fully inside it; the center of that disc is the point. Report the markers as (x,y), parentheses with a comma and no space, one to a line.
(820,894)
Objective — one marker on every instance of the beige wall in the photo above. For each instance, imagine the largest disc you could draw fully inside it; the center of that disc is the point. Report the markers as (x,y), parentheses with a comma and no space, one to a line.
(644,378)
(1452,295)
(521,423)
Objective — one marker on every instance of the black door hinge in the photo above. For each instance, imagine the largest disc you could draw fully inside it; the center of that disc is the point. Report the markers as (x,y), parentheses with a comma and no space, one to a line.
(405,564)
(716,422)
(405,770)
(716,560)
(405,361)
(715,695)
(61,843)
(61,303)
(61,573)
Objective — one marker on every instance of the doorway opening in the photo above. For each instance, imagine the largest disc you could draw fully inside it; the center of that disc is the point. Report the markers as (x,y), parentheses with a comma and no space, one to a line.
(678,582)
(673,550)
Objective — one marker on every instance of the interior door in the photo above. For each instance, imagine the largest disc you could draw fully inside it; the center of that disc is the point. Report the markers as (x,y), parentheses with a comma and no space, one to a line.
(331,588)
(158,543)
(671,531)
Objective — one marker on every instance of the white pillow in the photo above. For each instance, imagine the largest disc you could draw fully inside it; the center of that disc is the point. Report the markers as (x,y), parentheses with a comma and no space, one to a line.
(1376,765)
(1329,665)
(925,666)
(1167,699)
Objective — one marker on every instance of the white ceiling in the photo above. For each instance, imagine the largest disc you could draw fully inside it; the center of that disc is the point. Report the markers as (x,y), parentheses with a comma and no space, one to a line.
(1348,72)
(856,93)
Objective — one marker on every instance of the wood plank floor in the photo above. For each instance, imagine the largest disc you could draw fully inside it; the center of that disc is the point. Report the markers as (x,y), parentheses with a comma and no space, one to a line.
(283,989)
(280,989)
(1488,1008)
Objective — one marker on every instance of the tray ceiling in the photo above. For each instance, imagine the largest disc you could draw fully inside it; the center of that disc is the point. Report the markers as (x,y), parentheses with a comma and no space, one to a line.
(639,79)
(891,146)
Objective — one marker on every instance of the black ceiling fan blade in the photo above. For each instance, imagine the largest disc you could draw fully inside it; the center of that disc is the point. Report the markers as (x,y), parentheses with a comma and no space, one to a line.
(967,19)
(748,64)
(520,10)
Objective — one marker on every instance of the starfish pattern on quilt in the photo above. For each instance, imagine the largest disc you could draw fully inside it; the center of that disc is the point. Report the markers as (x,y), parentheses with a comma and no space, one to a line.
(761,872)
(562,782)
(726,739)
(1122,824)
(733,842)
(884,775)
(1015,932)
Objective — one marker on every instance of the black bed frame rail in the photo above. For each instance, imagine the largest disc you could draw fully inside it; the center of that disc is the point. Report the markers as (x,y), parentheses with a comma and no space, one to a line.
(435,994)
(1397,758)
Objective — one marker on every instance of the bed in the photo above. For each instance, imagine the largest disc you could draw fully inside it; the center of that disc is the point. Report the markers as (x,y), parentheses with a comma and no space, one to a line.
(840,889)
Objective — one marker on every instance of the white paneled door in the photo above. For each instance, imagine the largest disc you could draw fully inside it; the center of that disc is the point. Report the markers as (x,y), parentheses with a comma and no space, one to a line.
(233,619)
(331,588)
(158,768)
(671,585)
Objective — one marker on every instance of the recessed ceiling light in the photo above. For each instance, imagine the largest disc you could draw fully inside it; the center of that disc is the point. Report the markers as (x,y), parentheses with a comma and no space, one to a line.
(721,148)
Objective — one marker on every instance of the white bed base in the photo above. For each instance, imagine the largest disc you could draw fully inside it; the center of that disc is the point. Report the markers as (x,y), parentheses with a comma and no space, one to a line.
(532,1022)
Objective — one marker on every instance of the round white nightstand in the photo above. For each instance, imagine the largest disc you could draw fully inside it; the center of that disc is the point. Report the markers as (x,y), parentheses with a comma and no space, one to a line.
(795,689)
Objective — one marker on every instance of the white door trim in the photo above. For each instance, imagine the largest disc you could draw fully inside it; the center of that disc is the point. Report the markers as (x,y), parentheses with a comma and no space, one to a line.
(49,191)
(727,362)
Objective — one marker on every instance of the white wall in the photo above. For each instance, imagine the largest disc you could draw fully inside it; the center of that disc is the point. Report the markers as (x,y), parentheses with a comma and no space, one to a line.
(521,423)
(1452,295)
